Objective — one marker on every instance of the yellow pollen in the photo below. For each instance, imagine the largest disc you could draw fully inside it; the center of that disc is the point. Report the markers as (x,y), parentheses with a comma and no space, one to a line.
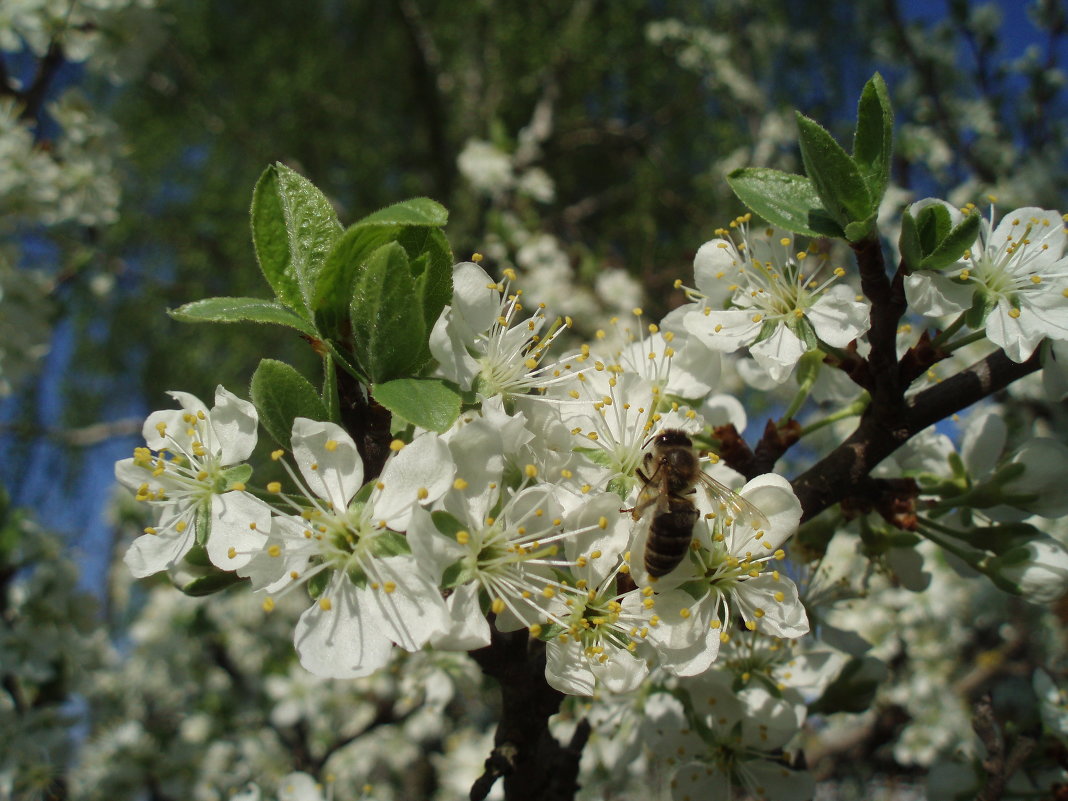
(331,445)
(268,604)
(324,604)
(535,630)
(231,552)
(423,493)
(278,454)
(476,257)
(531,471)
(463,537)
(389,586)
(1014,313)
(274,550)
(274,486)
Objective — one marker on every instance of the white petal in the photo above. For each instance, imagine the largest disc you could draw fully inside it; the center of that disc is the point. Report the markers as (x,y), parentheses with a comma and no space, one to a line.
(725,331)
(338,643)
(152,553)
(772,495)
(721,410)
(983,442)
(239,521)
(468,628)
(448,346)
(700,780)
(779,353)
(566,668)
(412,611)
(472,298)
(622,672)
(695,368)
(432,550)
(936,294)
(838,317)
(716,266)
(781,618)
(299,787)
(420,473)
(1017,335)
(328,459)
(234,422)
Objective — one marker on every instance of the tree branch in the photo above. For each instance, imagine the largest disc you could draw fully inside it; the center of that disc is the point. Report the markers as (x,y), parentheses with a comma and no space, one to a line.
(533,764)
(881,431)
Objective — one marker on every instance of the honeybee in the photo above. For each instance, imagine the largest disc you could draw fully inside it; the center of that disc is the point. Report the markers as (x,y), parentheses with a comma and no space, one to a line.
(671,471)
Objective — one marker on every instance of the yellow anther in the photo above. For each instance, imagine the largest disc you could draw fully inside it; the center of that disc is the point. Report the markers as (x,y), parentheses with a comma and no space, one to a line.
(274,486)
(531,471)
(274,550)
(331,445)
(423,493)
(390,586)
(463,537)
(535,630)
(268,604)
(324,604)
(396,445)
(278,454)
(231,552)
(476,257)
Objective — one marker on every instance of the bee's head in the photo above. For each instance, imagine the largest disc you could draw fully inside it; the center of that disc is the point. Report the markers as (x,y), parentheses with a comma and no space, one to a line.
(672,437)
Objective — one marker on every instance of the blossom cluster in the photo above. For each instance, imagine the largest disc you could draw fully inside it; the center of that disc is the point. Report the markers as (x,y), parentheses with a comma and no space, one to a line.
(537,509)
(520,515)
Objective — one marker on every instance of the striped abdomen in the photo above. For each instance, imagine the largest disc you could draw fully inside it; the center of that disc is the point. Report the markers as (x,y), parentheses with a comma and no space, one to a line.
(670,533)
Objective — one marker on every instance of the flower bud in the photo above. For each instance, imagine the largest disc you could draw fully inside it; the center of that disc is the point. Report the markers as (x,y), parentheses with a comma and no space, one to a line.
(1037,571)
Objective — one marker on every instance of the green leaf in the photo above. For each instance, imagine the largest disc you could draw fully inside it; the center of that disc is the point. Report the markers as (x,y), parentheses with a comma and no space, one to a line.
(421,211)
(271,239)
(319,582)
(287,208)
(388,331)
(447,524)
(783,199)
(431,262)
(281,394)
(333,292)
(873,140)
(959,239)
(982,304)
(237,474)
(202,523)
(861,229)
(428,402)
(235,310)
(835,176)
(331,399)
(909,242)
(212,582)
(933,224)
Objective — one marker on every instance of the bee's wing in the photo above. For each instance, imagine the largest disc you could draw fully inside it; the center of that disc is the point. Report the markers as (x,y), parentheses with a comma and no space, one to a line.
(727,501)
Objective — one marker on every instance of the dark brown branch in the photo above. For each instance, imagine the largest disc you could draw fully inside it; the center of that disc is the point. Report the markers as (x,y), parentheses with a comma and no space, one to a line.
(998,765)
(888,304)
(528,758)
(34,97)
(881,432)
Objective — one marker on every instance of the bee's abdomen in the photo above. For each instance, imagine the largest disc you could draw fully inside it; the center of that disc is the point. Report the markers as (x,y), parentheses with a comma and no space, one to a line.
(670,533)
